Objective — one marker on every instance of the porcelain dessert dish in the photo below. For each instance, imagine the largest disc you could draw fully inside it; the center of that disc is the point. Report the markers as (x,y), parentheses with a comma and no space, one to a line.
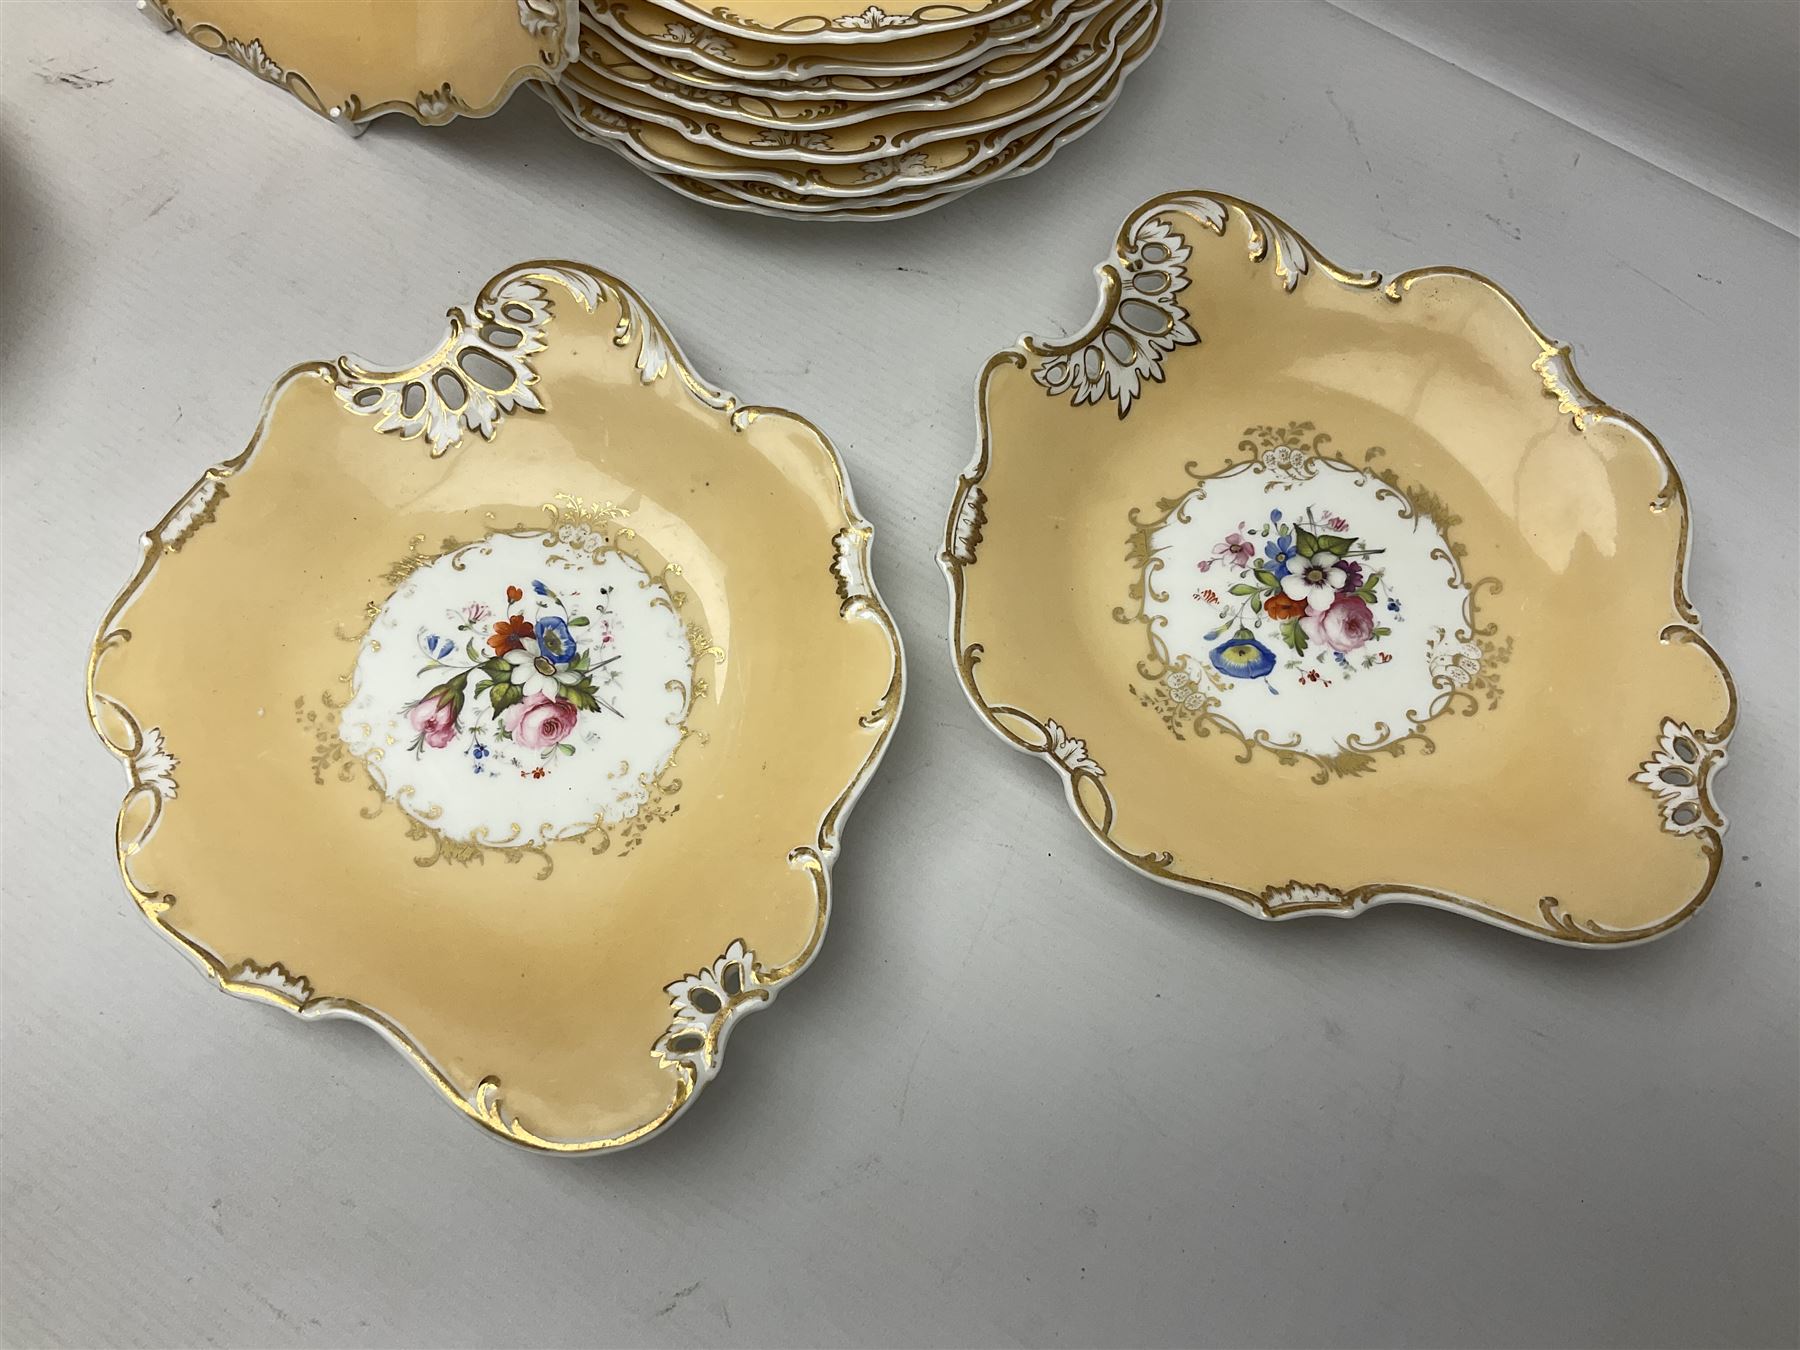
(564,672)
(916,116)
(871,42)
(803,77)
(783,107)
(1319,593)
(354,60)
(715,147)
(806,21)
(1017,159)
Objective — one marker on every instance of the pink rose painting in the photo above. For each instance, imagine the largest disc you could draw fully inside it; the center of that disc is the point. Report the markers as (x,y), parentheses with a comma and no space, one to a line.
(540,722)
(434,718)
(510,699)
(1344,626)
(1297,602)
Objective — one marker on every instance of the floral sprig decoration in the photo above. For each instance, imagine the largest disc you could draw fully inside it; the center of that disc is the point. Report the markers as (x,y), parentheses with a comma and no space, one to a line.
(530,688)
(1311,588)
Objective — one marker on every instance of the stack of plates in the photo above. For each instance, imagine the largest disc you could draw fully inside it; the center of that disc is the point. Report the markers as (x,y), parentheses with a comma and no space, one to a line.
(827,109)
(846,112)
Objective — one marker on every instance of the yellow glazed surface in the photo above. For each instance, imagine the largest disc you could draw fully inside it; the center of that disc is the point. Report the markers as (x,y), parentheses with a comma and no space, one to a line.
(910,152)
(1552,777)
(825,21)
(1020,158)
(710,143)
(891,185)
(571,994)
(673,66)
(878,52)
(353,60)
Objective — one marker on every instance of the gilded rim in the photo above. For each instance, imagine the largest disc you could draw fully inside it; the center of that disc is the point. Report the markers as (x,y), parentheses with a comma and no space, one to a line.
(907,204)
(895,171)
(557,23)
(799,141)
(696,71)
(708,58)
(1270,239)
(874,23)
(484,1105)
(913,203)
(888,205)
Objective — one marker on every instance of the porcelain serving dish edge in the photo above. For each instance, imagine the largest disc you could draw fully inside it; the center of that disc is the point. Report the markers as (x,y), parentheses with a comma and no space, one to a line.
(350,84)
(1139,344)
(613,342)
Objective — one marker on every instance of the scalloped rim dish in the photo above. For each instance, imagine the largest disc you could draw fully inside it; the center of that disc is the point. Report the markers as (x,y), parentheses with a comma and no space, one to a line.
(279,42)
(1015,159)
(1495,473)
(890,131)
(606,974)
(871,174)
(945,53)
(681,74)
(845,22)
(906,203)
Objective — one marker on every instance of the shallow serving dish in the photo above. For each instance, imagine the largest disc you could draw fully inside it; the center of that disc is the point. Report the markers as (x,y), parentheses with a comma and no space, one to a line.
(551,674)
(899,184)
(1320,593)
(869,158)
(355,60)
(713,145)
(1047,28)
(1017,160)
(797,40)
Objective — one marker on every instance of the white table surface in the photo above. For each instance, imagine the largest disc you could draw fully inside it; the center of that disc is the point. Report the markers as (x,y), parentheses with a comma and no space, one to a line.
(1023,1096)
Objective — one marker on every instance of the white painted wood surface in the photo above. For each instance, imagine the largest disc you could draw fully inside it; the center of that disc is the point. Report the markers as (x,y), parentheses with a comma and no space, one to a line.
(1023,1097)
(1703,88)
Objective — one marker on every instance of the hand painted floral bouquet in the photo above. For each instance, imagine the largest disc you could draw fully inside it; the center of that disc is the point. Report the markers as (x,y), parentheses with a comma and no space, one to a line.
(1310,589)
(531,686)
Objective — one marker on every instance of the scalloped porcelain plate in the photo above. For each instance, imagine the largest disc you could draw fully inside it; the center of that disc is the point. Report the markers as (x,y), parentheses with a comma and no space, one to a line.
(1017,160)
(1319,593)
(913,182)
(553,674)
(718,144)
(1048,29)
(839,20)
(355,60)
(844,41)
(916,159)
(702,58)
